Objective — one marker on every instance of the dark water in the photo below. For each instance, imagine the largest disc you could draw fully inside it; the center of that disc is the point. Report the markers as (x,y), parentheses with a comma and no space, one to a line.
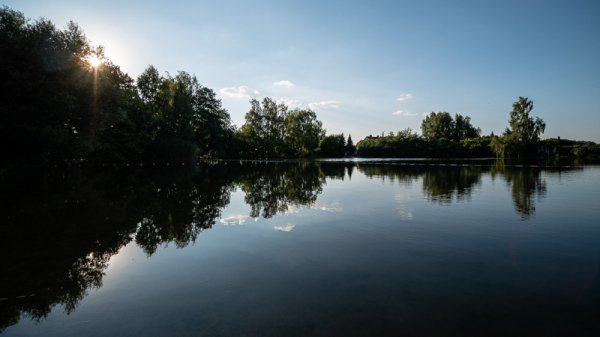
(329,249)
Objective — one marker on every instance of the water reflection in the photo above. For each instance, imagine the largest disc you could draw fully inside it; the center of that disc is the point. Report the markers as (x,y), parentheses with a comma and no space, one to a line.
(58,234)
(178,210)
(441,184)
(455,183)
(60,229)
(526,185)
(444,184)
(273,189)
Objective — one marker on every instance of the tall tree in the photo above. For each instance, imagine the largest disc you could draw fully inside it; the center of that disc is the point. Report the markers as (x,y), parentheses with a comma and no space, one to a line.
(188,116)
(333,146)
(263,131)
(149,83)
(441,125)
(350,148)
(212,124)
(463,128)
(522,135)
(526,129)
(56,104)
(302,132)
(438,125)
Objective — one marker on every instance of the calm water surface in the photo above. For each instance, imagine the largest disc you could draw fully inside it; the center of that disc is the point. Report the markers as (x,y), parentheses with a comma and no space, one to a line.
(288,249)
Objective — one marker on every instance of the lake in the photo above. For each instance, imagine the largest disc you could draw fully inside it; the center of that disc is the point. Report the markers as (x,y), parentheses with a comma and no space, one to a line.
(367,248)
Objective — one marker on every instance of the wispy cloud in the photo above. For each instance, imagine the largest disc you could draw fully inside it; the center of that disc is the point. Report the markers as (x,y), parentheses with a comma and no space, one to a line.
(236,220)
(285,228)
(290,102)
(404,210)
(291,209)
(403,113)
(239,92)
(334,206)
(404,97)
(324,105)
(284,83)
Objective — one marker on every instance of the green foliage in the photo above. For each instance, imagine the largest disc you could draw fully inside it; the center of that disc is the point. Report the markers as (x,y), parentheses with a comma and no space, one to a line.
(440,125)
(588,150)
(302,132)
(498,146)
(180,108)
(463,128)
(406,144)
(525,129)
(333,146)
(271,131)
(263,131)
(57,107)
(522,138)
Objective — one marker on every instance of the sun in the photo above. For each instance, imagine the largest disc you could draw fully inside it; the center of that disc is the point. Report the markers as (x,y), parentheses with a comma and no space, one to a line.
(94,61)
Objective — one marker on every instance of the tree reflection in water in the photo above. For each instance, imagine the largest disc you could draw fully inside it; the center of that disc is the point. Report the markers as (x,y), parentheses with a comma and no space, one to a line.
(272,189)
(526,185)
(441,184)
(60,229)
(445,184)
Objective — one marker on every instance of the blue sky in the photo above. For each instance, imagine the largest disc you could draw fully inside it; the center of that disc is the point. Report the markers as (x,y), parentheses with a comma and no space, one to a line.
(365,67)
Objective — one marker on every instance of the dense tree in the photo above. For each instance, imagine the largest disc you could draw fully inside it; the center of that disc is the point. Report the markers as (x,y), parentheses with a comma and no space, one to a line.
(526,129)
(463,128)
(187,117)
(120,127)
(438,125)
(58,105)
(149,84)
(47,89)
(350,148)
(522,135)
(408,144)
(263,131)
(333,146)
(272,131)
(441,126)
(302,132)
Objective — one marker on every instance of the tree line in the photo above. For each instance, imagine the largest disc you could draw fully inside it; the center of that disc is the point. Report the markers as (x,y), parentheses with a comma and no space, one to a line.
(58,105)
(445,136)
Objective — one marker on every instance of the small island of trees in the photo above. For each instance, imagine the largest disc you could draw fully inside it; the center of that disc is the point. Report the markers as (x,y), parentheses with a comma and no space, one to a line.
(64,101)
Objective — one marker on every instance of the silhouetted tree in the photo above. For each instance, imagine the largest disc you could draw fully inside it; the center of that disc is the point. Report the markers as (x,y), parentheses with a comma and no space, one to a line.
(333,146)
(350,148)
(521,138)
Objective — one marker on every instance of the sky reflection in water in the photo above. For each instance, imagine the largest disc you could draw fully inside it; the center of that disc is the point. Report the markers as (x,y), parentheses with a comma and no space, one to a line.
(302,249)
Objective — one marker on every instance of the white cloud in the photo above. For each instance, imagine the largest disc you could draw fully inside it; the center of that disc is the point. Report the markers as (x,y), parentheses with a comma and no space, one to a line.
(236,220)
(284,83)
(290,103)
(285,228)
(404,97)
(291,209)
(404,210)
(239,92)
(403,113)
(324,105)
(334,206)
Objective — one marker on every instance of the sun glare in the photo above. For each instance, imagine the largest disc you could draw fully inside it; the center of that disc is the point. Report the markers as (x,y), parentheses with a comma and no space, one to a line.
(94,61)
